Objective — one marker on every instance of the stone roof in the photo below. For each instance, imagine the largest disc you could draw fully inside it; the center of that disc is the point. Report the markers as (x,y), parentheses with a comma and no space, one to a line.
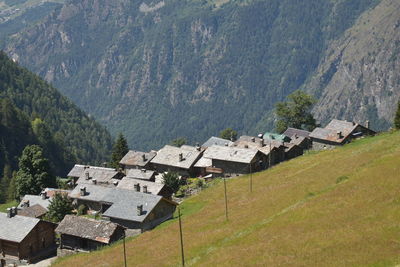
(298,140)
(33,200)
(16,228)
(35,211)
(169,156)
(129,183)
(257,143)
(123,201)
(77,170)
(203,163)
(50,192)
(293,132)
(217,141)
(100,231)
(102,176)
(142,174)
(234,154)
(135,158)
(336,131)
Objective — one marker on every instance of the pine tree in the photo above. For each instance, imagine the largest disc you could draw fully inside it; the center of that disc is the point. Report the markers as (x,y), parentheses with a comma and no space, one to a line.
(5,182)
(171,180)
(59,206)
(397,117)
(34,172)
(119,150)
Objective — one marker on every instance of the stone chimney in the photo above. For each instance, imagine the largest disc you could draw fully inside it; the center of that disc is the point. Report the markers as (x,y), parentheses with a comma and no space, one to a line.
(139,209)
(143,170)
(339,134)
(115,183)
(261,136)
(180,156)
(198,148)
(9,213)
(367,124)
(44,194)
(87,175)
(261,140)
(15,211)
(83,190)
(26,204)
(145,189)
(137,187)
(144,157)
(94,181)
(253,139)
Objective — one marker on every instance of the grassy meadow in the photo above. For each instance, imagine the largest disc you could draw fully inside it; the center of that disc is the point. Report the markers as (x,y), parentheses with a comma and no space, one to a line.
(332,208)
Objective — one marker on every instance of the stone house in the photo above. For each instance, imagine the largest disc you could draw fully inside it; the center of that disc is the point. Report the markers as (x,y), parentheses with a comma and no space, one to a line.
(131,209)
(234,160)
(292,151)
(84,234)
(216,141)
(338,133)
(177,159)
(93,174)
(137,160)
(141,174)
(25,238)
(299,137)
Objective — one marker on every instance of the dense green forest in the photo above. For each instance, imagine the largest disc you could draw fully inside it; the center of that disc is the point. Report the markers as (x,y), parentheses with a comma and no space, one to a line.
(156,71)
(33,112)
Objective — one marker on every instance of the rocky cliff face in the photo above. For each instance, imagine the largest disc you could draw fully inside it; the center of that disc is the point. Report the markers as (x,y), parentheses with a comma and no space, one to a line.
(160,70)
(360,75)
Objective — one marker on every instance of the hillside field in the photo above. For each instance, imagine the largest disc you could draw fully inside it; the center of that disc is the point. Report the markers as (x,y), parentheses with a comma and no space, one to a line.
(331,208)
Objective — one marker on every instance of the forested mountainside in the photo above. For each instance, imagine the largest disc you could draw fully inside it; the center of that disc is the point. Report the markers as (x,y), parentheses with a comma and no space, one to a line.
(359,76)
(33,112)
(160,70)
(18,14)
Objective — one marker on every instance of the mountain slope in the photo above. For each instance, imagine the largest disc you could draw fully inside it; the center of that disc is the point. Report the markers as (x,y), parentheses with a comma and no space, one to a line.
(359,78)
(304,212)
(38,113)
(159,70)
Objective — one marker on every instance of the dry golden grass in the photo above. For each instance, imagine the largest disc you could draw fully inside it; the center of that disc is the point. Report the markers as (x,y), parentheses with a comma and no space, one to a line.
(333,208)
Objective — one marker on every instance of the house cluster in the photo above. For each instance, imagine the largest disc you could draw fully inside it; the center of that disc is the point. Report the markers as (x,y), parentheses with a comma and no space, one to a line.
(134,197)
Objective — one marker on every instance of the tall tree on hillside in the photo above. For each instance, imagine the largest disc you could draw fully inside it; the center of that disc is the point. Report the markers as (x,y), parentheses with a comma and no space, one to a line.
(5,182)
(295,112)
(34,172)
(228,134)
(119,150)
(397,117)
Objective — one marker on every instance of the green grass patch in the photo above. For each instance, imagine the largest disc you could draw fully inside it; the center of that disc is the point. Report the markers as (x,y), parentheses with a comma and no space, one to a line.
(3,207)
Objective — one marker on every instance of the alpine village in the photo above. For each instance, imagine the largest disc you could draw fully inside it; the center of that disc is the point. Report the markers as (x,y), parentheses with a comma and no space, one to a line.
(199,133)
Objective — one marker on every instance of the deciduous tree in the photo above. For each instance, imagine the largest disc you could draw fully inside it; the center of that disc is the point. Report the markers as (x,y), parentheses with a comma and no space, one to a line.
(228,134)
(295,112)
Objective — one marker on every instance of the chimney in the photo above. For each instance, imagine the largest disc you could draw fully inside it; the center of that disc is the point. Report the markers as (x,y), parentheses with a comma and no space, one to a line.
(180,156)
(367,124)
(104,164)
(15,211)
(137,187)
(9,213)
(94,181)
(226,144)
(139,209)
(295,136)
(26,204)
(339,134)
(115,183)
(261,136)
(44,195)
(82,191)
(145,189)
(198,147)
(261,142)
(144,157)
(87,175)
(253,139)
(246,146)
(143,170)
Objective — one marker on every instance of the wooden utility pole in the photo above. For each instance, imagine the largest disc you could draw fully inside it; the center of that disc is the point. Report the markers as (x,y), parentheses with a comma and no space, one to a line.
(269,155)
(226,200)
(124,251)
(180,232)
(251,180)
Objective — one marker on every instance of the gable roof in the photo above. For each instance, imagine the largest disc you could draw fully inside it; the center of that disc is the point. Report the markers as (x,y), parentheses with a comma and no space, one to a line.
(77,170)
(33,200)
(203,162)
(217,141)
(293,132)
(135,158)
(234,154)
(330,132)
(142,174)
(100,231)
(103,176)
(34,211)
(169,156)
(16,228)
(123,201)
(129,183)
